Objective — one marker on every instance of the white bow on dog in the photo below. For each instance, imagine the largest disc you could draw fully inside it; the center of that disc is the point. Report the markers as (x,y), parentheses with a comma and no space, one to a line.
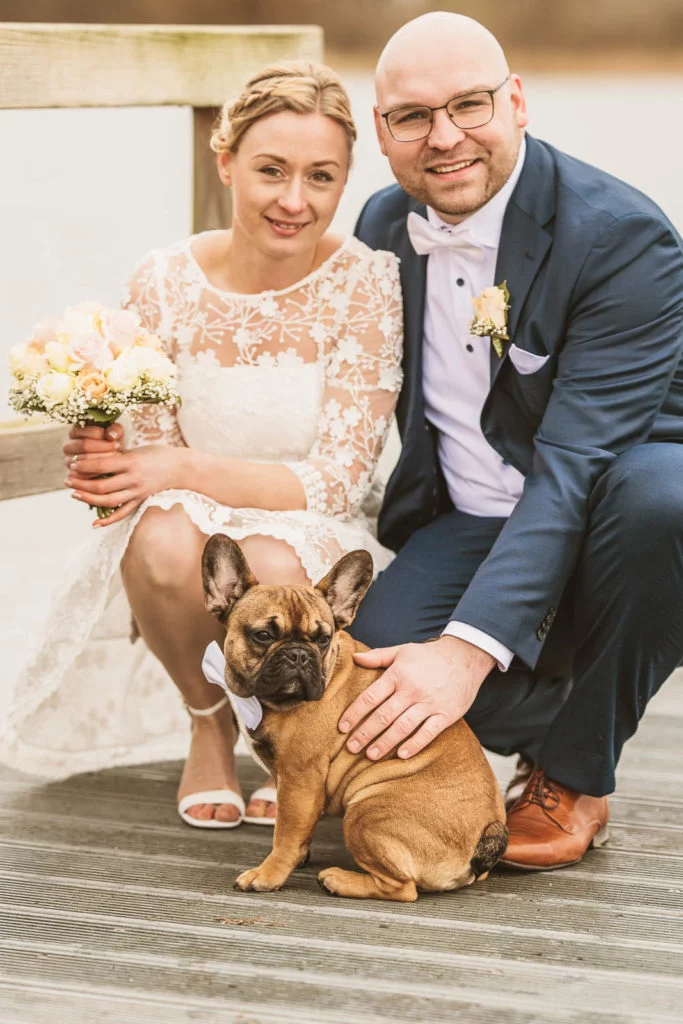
(248,709)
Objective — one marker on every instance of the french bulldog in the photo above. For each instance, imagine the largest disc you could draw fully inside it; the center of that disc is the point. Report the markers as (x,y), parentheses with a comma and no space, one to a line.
(433,822)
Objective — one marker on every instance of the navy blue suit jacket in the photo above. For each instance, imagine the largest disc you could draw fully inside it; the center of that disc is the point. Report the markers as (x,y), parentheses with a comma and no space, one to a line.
(595,275)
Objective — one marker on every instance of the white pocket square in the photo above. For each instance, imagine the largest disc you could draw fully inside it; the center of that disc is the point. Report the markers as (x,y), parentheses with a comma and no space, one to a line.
(526,362)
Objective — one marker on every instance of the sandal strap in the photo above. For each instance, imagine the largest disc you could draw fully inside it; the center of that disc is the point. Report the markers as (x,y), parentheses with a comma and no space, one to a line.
(205,712)
(212,796)
(267,793)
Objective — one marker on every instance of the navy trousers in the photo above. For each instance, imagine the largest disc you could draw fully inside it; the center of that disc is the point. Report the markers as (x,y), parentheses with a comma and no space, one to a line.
(617,636)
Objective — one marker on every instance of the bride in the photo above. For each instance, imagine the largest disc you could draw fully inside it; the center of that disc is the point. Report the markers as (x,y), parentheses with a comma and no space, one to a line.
(287,343)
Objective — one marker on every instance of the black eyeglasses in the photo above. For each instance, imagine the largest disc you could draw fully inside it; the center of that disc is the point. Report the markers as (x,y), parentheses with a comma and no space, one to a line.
(469,111)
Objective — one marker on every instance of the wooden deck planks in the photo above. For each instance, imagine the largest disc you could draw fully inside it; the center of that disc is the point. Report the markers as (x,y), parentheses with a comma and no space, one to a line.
(111,910)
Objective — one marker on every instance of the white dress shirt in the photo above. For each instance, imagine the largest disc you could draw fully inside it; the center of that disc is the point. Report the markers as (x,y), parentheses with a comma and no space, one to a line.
(457,380)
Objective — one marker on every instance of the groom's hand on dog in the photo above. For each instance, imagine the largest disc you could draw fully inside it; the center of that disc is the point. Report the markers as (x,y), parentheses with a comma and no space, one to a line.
(426,687)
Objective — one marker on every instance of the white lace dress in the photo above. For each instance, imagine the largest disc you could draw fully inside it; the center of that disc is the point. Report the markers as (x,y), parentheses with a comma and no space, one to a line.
(307,376)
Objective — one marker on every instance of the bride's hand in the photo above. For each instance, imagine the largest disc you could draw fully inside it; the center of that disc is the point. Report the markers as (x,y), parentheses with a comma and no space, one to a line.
(92,440)
(131,477)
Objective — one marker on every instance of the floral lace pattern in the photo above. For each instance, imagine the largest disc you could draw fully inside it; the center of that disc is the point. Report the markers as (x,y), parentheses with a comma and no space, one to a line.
(344,317)
(308,377)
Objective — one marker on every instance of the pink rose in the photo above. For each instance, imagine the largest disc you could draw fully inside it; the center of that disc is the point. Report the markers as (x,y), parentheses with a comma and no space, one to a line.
(45,332)
(90,349)
(120,327)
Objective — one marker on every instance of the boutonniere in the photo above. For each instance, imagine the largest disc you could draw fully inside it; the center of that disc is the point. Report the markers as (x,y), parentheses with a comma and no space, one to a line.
(491,315)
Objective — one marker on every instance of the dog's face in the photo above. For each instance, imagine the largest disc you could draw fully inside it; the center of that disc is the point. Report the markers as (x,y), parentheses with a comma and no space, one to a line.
(279,643)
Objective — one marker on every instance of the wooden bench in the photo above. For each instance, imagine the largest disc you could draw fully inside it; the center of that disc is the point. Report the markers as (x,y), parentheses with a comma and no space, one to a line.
(58,66)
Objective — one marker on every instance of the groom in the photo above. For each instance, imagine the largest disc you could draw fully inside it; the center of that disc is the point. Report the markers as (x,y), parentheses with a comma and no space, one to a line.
(537,505)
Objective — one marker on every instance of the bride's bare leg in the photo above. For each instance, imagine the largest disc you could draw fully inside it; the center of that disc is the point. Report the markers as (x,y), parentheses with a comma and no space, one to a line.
(162,577)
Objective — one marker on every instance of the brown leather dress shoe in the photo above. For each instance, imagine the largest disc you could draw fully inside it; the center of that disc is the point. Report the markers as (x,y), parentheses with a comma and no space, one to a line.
(552,826)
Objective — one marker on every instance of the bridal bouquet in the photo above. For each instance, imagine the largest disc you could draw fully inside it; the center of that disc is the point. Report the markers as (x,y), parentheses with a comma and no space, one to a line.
(89,365)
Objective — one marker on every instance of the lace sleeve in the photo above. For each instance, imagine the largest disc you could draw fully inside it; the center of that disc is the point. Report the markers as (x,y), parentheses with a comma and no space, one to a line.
(362,380)
(150,424)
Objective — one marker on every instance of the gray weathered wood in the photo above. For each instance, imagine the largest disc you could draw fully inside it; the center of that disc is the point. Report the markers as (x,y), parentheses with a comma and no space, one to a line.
(59,65)
(111,909)
(31,458)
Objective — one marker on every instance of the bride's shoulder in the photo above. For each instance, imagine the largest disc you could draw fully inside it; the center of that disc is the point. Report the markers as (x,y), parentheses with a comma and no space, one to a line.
(204,248)
(209,247)
(375,258)
(158,259)
(369,265)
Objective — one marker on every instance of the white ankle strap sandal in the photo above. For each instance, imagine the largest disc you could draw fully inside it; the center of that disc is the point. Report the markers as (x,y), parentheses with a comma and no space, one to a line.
(248,714)
(207,712)
(211,796)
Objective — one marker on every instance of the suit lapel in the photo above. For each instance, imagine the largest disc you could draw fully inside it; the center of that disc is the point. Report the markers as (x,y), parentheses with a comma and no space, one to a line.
(524,240)
(414,286)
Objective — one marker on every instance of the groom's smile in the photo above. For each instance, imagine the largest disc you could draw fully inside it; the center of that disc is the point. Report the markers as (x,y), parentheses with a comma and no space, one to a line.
(452,168)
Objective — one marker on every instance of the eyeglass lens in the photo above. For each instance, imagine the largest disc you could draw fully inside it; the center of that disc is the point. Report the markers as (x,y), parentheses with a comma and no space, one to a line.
(412,123)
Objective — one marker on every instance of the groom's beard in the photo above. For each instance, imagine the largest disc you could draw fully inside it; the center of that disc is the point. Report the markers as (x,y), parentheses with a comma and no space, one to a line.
(459,199)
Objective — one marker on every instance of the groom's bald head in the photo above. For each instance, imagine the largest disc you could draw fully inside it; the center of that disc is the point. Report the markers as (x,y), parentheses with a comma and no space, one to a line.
(438,41)
(429,61)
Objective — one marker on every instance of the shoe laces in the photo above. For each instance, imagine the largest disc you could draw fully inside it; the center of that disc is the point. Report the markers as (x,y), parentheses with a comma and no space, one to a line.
(542,791)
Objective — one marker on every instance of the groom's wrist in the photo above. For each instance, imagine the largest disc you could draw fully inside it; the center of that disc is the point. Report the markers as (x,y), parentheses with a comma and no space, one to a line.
(498,651)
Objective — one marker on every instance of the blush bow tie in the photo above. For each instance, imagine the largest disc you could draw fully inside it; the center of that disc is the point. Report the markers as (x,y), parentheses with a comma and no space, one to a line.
(426,238)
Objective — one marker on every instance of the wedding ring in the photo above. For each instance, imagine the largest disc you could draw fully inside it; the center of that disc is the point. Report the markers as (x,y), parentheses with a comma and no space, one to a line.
(73,462)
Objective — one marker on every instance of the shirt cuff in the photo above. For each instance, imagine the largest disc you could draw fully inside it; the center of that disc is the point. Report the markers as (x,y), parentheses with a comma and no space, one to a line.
(482,640)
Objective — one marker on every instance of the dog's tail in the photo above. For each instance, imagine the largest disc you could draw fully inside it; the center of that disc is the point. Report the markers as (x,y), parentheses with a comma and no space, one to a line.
(490,848)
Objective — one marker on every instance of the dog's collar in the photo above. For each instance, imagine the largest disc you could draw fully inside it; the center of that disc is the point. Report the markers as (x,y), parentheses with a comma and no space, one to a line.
(247,709)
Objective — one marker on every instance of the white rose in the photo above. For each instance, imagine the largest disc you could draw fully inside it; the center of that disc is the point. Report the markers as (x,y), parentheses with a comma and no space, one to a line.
(123,373)
(25,360)
(154,363)
(54,388)
(57,356)
(491,305)
(21,384)
(76,324)
(91,307)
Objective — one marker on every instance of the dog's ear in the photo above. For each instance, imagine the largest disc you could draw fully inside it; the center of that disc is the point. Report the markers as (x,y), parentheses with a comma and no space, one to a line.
(225,575)
(346,585)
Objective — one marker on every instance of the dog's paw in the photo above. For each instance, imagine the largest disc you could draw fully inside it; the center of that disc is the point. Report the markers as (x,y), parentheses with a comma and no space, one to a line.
(258,880)
(329,881)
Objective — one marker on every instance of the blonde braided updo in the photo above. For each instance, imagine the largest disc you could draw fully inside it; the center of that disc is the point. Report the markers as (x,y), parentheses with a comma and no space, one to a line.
(300,86)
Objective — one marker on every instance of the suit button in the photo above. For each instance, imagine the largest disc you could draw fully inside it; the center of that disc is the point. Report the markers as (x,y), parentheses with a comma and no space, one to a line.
(540,635)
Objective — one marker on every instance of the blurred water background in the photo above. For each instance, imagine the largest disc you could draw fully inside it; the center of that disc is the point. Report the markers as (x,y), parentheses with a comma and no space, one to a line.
(85,193)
